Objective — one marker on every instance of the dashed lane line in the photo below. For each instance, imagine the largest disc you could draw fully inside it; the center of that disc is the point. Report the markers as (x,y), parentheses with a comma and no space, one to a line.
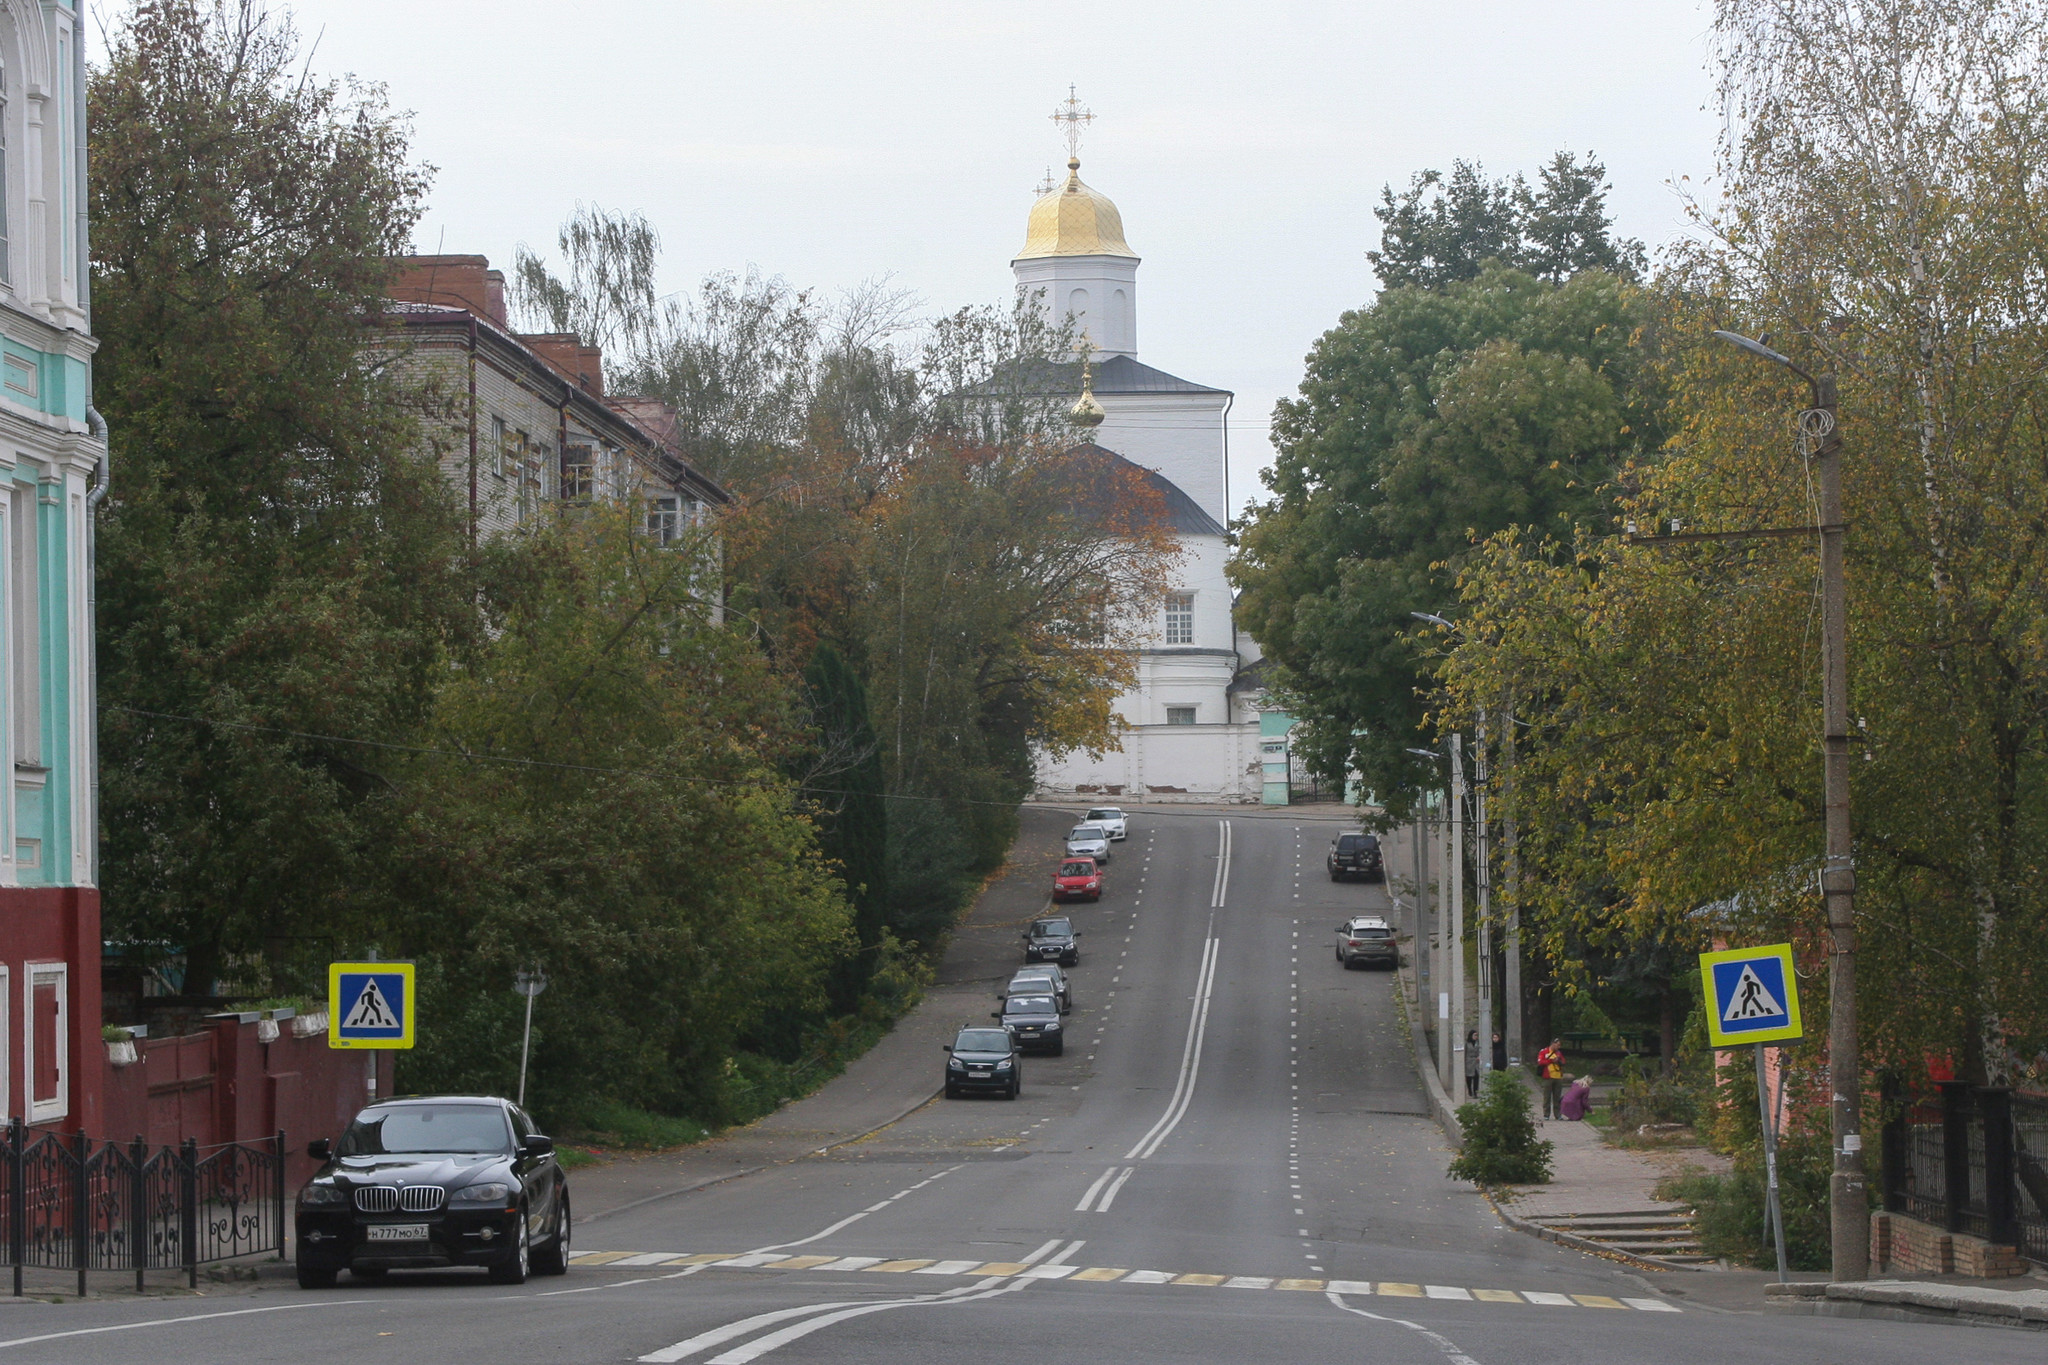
(1055,1268)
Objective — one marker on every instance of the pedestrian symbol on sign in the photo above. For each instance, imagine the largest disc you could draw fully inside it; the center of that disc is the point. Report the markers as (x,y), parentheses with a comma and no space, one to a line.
(370,1011)
(1753,1000)
(1753,995)
(370,1004)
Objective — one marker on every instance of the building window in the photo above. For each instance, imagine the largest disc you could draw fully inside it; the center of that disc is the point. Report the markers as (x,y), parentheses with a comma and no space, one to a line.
(25,607)
(499,439)
(578,477)
(665,519)
(1180,619)
(1180,715)
(47,1048)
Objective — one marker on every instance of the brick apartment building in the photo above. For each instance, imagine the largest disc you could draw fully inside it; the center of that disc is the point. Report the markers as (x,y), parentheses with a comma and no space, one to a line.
(528,421)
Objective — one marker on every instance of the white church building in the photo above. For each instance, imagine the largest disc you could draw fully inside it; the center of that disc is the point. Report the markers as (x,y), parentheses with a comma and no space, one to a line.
(1193,718)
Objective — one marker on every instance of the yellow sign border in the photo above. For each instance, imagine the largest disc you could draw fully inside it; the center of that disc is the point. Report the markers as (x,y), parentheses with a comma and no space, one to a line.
(1789,1032)
(334,975)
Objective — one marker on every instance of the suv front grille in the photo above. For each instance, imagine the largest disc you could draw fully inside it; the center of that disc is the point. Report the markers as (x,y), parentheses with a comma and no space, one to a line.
(392,1198)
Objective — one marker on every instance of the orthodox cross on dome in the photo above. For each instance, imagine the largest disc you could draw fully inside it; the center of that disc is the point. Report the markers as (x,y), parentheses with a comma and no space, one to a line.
(1073,121)
(1047,185)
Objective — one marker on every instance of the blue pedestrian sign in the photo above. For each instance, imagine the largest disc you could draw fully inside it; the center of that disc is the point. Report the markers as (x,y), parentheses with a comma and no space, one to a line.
(369,1004)
(1752,996)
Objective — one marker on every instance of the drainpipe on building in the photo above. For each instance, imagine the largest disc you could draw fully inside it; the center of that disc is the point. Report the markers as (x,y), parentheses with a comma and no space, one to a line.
(96,425)
(472,431)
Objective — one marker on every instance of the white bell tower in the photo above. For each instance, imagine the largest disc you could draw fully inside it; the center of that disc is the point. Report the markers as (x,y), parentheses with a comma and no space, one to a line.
(1075,261)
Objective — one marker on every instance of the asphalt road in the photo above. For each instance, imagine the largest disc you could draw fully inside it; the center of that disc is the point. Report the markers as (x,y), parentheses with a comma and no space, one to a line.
(1230,1163)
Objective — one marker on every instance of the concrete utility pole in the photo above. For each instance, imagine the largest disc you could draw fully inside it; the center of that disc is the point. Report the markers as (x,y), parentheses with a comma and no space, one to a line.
(1455,939)
(1444,854)
(1418,927)
(1512,849)
(1483,870)
(1849,1208)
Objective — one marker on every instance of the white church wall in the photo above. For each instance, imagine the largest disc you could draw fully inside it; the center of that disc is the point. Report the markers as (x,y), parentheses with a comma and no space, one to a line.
(1178,434)
(1099,292)
(1165,764)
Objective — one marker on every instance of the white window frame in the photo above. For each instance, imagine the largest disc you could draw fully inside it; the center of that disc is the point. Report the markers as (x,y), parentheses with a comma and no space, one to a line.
(6,1045)
(1180,618)
(43,1111)
(665,518)
(1193,713)
(500,435)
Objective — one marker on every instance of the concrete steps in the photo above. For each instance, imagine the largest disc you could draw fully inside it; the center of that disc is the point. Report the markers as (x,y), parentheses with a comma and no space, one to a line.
(1657,1234)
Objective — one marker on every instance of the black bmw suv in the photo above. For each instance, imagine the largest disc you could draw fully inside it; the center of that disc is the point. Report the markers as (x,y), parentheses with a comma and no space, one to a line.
(1355,854)
(441,1180)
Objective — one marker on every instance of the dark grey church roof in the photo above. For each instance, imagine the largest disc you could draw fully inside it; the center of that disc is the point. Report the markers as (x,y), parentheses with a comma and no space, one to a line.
(1183,513)
(1118,374)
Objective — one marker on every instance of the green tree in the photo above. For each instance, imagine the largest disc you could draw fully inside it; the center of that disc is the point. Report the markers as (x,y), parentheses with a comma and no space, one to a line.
(274,561)
(843,776)
(1440,231)
(1431,418)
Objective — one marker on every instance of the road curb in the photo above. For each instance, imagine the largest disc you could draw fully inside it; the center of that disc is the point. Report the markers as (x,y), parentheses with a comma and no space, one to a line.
(1439,1103)
(1573,1240)
(723,1177)
(1912,1301)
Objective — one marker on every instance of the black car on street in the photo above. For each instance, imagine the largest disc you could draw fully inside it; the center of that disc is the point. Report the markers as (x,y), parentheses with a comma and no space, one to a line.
(1052,940)
(984,1060)
(1355,854)
(441,1180)
(1035,1019)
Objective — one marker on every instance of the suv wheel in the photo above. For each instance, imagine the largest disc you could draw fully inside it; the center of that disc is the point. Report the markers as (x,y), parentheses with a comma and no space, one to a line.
(309,1278)
(519,1264)
(553,1258)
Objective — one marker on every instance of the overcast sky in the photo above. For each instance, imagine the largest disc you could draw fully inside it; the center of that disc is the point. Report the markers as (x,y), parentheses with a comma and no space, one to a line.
(831,141)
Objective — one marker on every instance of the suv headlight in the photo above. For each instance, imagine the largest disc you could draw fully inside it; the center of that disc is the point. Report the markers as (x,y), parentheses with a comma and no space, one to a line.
(1053,1027)
(955,1064)
(490,1192)
(1003,1065)
(316,1194)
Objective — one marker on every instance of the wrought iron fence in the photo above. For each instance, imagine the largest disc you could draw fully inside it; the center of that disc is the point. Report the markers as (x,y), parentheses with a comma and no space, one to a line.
(69,1203)
(1973,1161)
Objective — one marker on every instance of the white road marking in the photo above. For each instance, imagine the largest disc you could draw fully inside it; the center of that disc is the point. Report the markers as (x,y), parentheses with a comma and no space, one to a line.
(718,1336)
(1222,865)
(1436,1339)
(755,1349)
(1190,1059)
(1040,1254)
(1093,1190)
(174,1322)
(1109,1196)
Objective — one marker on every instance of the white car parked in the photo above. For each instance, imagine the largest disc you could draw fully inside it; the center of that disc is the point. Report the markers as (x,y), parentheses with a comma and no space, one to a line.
(1112,821)
(1088,841)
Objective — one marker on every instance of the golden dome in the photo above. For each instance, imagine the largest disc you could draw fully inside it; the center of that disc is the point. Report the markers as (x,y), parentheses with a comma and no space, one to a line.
(1074,220)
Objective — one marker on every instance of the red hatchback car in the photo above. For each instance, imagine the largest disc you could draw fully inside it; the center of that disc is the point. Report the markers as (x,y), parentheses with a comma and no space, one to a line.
(1077,879)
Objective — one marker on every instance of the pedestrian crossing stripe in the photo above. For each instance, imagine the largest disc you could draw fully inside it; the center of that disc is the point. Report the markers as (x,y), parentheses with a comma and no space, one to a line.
(879,1265)
(1755,995)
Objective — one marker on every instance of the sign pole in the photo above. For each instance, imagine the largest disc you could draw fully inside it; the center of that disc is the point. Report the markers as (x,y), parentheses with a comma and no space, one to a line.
(1769,1114)
(526,1040)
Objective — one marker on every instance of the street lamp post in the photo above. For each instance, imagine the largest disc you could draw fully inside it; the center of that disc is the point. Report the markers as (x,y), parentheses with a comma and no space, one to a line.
(1429,940)
(1849,1207)
(1454,940)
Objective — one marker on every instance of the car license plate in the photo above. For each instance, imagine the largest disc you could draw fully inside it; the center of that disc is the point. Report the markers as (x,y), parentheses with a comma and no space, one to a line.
(396,1232)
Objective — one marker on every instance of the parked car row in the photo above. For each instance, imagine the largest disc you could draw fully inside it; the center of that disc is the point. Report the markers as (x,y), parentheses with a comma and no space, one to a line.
(984,1059)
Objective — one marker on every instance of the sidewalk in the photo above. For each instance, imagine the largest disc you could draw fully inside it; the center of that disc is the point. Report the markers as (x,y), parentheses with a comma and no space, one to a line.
(901,1073)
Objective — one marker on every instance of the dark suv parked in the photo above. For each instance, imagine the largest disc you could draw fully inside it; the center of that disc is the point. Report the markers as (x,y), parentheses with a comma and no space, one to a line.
(1052,940)
(1355,854)
(984,1059)
(1035,1019)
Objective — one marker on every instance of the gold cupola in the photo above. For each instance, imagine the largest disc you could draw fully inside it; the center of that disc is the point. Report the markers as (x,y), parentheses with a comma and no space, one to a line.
(1074,220)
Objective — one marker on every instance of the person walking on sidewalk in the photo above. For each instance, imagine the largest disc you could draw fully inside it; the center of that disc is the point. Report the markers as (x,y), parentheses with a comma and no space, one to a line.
(1550,1068)
(1472,1065)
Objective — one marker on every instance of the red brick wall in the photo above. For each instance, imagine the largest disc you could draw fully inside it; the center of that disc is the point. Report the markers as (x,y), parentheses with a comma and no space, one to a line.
(45,925)
(1899,1244)
(225,1084)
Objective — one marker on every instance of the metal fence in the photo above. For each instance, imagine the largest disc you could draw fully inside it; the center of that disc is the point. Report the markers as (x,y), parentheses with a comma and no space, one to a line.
(69,1203)
(1970,1159)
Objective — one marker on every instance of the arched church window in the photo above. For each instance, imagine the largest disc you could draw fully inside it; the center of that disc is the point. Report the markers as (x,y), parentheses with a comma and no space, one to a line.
(1077,304)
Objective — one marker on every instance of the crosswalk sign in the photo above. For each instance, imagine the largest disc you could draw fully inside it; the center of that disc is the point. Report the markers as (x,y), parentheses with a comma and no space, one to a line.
(1752,995)
(369,1004)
